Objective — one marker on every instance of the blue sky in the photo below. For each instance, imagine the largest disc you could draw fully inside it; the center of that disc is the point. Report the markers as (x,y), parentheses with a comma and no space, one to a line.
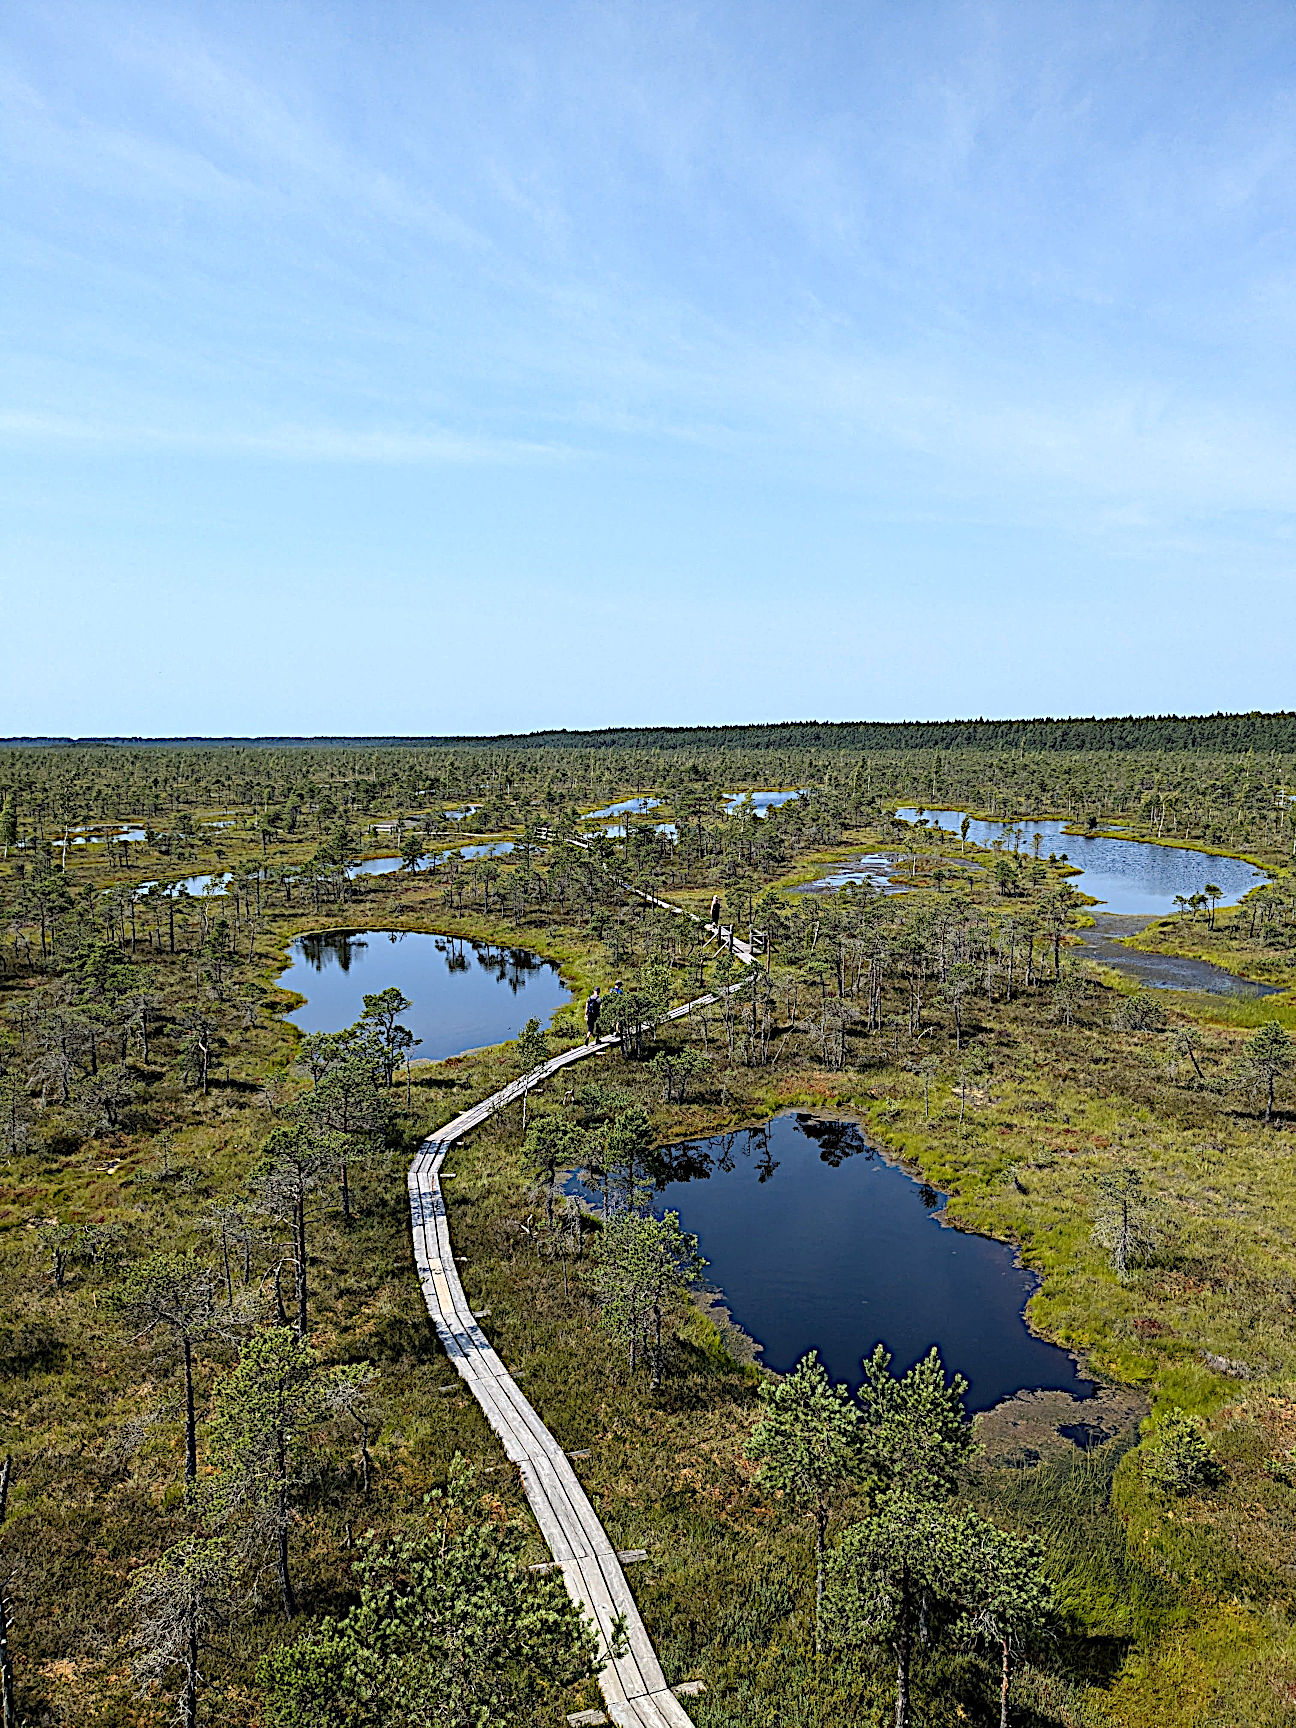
(469,367)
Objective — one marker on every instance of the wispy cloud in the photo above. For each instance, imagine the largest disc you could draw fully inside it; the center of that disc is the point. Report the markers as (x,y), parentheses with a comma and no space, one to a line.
(288,443)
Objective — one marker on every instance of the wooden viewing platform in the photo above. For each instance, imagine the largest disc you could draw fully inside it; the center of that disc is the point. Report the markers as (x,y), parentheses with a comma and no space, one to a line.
(634,1687)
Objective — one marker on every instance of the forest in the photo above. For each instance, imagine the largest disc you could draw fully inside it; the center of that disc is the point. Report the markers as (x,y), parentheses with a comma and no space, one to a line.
(1231,732)
(242,1481)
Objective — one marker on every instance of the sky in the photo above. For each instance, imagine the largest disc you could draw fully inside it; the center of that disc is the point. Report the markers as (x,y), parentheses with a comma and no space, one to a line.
(446,367)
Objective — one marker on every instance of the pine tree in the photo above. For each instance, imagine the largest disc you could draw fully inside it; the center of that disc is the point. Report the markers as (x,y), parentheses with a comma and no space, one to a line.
(264,1414)
(179,1599)
(1005,1596)
(169,1294)
(810,1445)
(1268,1057)
(916,1432)
(533,1052)
(1125,1219)
(641,1266)
(451,1626)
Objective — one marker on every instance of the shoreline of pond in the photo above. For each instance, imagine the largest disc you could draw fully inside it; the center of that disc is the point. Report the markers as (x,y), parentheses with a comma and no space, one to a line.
(1106,943)
(739,1335)
(1124,891)
(1108,832)
(508,964)
(878,1151)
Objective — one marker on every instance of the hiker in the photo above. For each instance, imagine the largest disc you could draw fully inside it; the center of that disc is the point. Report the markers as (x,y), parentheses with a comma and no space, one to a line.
(593,1008)
(715,910)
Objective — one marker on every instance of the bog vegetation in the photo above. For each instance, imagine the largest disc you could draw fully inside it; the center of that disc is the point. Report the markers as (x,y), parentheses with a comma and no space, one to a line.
(240,1481)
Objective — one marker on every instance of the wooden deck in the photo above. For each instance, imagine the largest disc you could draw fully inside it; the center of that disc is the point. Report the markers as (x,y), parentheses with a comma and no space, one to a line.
(634,1687)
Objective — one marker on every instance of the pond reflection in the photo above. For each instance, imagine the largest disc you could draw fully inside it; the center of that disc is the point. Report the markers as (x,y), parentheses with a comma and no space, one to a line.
(816,1242)
(1125,875)
(464,994)
(627,807)
(762,802)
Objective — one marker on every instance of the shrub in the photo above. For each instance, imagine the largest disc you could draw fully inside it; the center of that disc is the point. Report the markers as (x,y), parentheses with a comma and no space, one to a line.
(1140,1013)
(1177,1455)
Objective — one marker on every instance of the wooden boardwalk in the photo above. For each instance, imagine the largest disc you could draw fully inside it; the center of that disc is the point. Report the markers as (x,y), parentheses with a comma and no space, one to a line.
(634,1687)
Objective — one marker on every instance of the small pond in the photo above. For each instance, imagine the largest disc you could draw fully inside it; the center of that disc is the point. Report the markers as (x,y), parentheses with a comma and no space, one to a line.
(196,885)
(874,868)
(97,837)
(464,994)
(192,885)
(1125,875)
(762,801)
(627,807)
(816,1242)
(384,866)
(617,830)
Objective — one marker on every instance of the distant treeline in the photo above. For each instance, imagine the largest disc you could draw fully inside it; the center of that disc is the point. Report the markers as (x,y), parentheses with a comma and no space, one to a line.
(1219,733)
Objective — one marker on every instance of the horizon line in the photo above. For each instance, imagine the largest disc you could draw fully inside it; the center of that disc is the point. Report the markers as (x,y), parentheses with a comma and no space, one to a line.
(608,733)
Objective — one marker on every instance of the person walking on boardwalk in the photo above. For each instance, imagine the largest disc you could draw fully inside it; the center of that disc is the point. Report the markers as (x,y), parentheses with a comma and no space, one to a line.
(715,911)
(593,1008)
(616,1014)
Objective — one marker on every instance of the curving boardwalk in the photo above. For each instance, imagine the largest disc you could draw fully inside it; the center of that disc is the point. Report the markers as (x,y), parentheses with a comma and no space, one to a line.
(634,1687)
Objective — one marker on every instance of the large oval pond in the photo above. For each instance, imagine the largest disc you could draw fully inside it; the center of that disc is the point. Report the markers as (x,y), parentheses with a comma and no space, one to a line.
(817,1243)
(1126,875)
(464,994)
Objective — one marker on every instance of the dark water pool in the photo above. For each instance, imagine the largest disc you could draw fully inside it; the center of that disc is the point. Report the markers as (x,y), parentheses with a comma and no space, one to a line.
(818,1243)
(1126,875)
(464,994)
